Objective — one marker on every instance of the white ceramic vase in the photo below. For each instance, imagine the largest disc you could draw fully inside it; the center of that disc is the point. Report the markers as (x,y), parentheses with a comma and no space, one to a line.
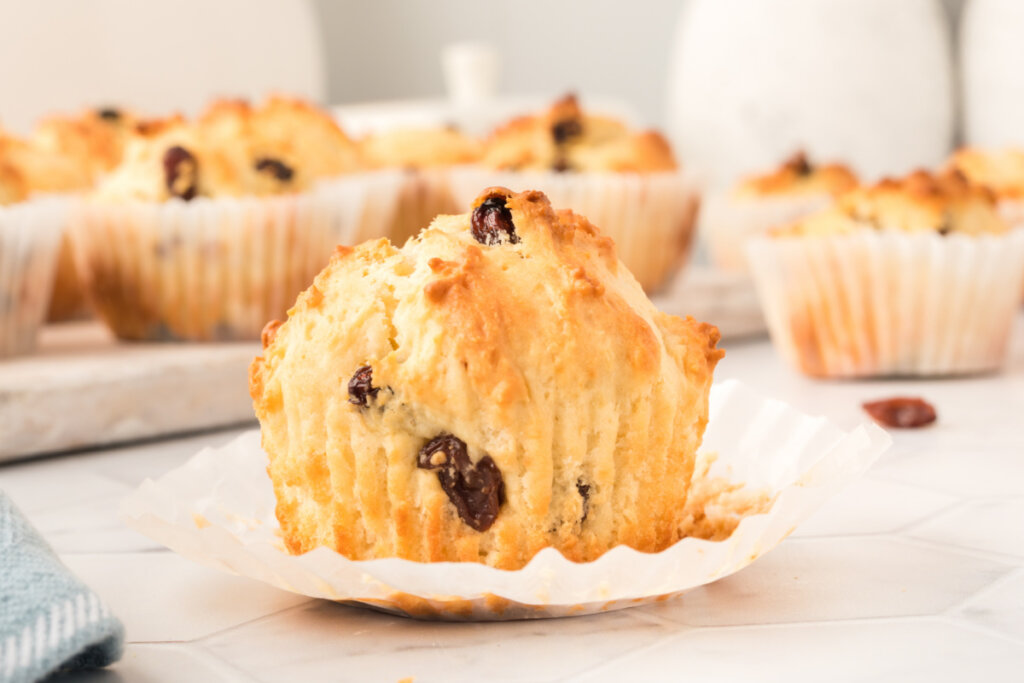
(869,82)
(991,55)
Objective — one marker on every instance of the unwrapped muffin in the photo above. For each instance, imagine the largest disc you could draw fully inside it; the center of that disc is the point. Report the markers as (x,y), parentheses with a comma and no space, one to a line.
(208,228)
(625,181)
(498,385)
(916,276)
(425,156)
(758,203)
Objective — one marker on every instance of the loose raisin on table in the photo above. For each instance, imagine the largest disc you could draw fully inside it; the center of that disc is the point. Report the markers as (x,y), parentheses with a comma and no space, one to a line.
(902,412)
(476,489)
(181,172)
(491,222)
(360,387)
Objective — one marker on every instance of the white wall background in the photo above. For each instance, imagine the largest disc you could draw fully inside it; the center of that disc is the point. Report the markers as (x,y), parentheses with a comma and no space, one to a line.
(388,49)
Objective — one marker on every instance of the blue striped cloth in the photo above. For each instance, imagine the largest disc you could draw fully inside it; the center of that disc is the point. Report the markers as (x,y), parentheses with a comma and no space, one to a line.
(49,620)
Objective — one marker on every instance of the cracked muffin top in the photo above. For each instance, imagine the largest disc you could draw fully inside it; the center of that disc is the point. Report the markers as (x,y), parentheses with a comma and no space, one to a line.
(565,138)
(233,149)
(797,175)
(419,148)
(922,201)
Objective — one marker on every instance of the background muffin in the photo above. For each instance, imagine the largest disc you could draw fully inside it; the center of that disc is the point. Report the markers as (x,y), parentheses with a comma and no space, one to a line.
(425,155)
(625,181)
(29,235)
(509,388)
(760,202)
(210,227)
(915,276)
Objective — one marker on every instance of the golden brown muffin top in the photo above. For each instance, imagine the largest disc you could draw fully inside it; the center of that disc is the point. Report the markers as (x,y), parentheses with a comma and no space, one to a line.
(419,148)
(922,201)
(233,149)
(797,175)
(565,138)
(94,139)
(43,169)
(1000,169)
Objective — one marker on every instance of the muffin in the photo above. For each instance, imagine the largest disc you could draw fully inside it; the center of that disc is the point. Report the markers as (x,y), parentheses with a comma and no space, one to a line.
(83,147)
(499,385)
(757,203)
(625,181)
(209,227)
(425,156)
(29,235)
(918,276)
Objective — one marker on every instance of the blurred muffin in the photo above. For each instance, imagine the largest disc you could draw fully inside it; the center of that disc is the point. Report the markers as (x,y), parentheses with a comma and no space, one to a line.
(509,388)
(208,228)
(914,276)
(425,155)
(626,181)
(29,234)
(795,189)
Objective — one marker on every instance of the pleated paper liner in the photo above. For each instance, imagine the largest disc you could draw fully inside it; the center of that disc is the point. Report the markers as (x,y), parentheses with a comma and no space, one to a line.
(425,194)
(766,467)
(727,222)
(219,269)
(651,216)
(886,303)
(30,234)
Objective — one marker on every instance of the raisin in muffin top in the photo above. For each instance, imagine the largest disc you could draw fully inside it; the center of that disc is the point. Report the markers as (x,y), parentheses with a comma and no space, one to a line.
(919,202)
(232,149)
(797,175)
(419,148)
(565,138)
(1000,169)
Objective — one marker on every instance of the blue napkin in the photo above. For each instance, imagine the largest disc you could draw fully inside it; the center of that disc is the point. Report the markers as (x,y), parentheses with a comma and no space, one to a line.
(49,620)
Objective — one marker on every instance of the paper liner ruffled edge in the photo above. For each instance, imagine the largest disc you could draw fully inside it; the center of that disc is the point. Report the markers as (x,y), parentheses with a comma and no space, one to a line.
(171,511)
(30,234)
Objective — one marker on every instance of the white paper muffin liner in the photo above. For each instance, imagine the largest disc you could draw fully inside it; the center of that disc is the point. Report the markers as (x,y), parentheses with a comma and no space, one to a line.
(218,509)
(30,234)
(651,216)
(885,303)
(727,222)
(425,194)
(219,269)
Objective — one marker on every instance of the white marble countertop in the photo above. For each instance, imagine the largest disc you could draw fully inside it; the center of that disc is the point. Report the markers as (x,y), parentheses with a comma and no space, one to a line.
(915,573)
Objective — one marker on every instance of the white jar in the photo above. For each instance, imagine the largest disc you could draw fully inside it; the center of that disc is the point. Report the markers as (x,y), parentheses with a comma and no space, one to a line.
(867,82)
(991,55)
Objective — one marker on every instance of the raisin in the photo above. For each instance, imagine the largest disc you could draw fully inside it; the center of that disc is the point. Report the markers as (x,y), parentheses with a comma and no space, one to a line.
(565,130)
(110,114)
(277,168)
(798,162)
(477,490)
(561,165)
(492,222)
(584,491)
(181,172)
(902,412)
(360,387)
